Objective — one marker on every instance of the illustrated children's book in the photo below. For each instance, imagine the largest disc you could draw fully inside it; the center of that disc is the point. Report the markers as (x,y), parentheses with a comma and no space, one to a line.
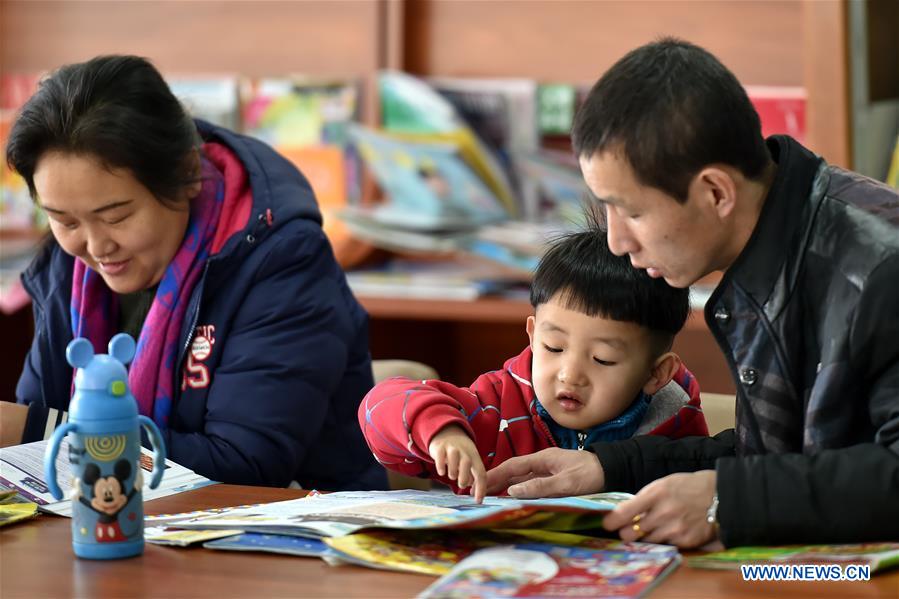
(428,185)
(412,110)
(543,570)
(22,469)
(879,556)
(435,552)
(338,514)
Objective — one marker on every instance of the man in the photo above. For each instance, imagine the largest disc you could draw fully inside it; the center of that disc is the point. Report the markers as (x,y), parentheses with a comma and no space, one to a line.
(807,314)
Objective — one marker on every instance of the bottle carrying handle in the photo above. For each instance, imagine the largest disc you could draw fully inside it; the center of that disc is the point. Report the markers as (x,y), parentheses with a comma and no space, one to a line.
(50,457)
(158,450)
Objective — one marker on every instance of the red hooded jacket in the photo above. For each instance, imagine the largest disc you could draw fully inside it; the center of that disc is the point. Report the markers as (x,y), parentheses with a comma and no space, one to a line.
(399,417)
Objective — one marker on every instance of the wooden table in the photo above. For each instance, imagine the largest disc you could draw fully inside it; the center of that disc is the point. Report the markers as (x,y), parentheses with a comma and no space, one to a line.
(36,560)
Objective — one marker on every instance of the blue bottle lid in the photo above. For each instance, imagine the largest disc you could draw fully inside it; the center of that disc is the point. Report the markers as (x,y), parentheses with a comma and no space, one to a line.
(101,384)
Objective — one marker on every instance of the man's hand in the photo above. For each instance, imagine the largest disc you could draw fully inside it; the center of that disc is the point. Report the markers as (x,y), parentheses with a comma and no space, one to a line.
(456,457)
(551,472)
(671,510)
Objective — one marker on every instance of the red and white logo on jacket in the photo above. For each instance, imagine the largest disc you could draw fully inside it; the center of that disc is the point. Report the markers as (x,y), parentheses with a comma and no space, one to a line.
(196,373)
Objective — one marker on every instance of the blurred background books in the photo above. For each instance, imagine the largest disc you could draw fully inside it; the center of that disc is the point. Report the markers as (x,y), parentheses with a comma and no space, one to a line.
(452,168)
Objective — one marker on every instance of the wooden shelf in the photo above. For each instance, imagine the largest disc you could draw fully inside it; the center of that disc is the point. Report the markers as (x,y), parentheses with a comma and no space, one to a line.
(486,309)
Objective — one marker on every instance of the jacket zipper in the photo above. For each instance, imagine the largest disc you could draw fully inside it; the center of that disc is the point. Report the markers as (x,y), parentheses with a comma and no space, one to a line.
(581,439)
(262,221)
(195,316)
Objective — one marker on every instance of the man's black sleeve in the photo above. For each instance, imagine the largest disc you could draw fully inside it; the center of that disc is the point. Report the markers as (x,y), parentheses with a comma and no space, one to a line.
(631,464)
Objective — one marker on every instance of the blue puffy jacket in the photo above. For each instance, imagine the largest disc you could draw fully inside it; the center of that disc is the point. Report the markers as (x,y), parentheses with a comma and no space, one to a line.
(290,360)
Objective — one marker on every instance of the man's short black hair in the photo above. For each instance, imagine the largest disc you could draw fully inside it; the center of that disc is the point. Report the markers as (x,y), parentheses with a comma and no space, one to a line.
(672,109)
(584,275)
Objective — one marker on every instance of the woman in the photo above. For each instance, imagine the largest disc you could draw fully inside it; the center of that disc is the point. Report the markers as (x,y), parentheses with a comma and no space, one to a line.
(207,247)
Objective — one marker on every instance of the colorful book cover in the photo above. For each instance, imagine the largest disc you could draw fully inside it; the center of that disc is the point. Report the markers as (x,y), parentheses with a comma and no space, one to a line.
(544,570)
(503,114)
(436,552)
(266,543)
(17,211)
(781,109)
(429,186)
(296,112)
(412,110)
(879,556)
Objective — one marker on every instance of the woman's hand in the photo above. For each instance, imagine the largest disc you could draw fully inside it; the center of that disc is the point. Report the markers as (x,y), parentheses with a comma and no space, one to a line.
(456,457)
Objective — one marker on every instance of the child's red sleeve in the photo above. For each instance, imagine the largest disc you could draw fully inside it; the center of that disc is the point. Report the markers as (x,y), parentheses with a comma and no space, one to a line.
(399,417)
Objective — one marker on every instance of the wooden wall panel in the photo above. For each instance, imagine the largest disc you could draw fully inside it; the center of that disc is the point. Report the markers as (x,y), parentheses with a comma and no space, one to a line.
(571,40)
(253,38)
(827,80)
(249,37)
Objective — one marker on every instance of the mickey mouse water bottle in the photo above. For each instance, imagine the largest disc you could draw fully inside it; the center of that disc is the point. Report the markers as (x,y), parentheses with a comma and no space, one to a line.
(104,451)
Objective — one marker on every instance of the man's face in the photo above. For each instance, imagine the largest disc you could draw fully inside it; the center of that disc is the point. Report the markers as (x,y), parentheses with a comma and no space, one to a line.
(679,242)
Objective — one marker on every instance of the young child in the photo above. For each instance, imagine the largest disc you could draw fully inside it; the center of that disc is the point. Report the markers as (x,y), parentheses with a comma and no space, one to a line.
(598,368)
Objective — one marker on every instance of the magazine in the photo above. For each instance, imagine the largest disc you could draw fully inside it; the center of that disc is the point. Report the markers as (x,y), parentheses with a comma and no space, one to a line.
(879,556)
(22,469)
(337,514)
(544,570)
(435,552)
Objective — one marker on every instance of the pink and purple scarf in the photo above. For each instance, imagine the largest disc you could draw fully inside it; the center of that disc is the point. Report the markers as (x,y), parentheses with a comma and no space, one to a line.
(95,309)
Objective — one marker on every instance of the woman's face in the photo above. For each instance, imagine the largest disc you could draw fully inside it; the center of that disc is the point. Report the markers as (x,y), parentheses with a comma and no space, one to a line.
(106,217)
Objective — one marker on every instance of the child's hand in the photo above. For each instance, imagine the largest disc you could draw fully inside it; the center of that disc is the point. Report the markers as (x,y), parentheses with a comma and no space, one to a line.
(456,457)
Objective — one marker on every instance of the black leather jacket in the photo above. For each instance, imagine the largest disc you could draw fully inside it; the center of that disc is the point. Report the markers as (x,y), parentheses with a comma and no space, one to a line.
(808,318)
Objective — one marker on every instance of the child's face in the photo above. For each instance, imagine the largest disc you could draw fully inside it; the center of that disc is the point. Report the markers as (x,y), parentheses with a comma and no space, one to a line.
(587,369)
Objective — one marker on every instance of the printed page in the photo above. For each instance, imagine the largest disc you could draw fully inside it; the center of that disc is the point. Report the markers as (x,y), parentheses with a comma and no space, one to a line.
(22,469)
(338,514)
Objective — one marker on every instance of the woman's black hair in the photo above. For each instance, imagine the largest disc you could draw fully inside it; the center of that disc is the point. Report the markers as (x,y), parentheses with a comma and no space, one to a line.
(584,275)
(117,109)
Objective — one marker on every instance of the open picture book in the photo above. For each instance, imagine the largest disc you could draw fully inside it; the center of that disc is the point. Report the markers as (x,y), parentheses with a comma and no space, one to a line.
(22,470)
(321,515)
